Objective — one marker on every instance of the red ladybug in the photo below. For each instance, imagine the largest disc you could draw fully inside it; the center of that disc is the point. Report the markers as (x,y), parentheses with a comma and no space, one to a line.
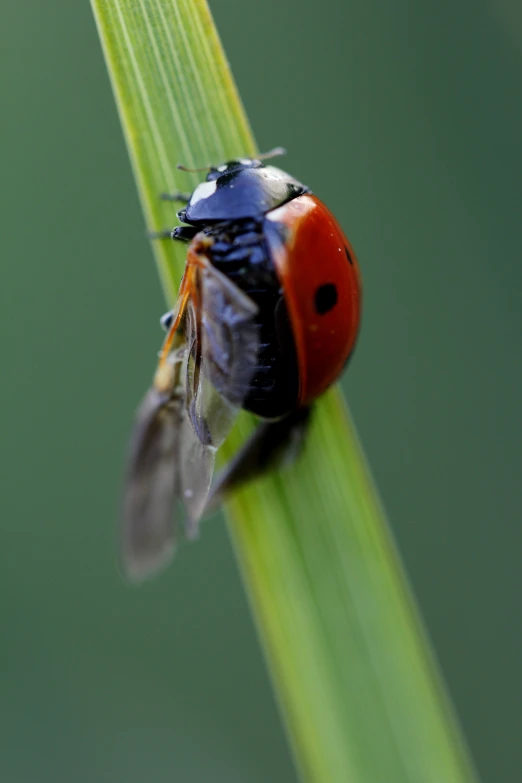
(266,318)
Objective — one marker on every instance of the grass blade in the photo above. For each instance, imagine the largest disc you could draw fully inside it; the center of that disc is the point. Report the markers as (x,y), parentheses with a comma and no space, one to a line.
(356,679)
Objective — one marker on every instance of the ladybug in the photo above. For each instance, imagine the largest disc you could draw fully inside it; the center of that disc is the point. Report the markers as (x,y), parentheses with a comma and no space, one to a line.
(266,318)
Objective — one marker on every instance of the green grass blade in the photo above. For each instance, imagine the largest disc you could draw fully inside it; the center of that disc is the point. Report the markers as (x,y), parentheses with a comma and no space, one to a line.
(355,677)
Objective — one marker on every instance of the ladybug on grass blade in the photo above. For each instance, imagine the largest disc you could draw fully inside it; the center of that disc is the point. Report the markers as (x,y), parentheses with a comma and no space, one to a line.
(266,318)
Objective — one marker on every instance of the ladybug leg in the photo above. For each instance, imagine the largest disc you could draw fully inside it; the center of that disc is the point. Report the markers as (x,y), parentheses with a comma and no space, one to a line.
(165,234)
(184,233)
(184,198)
(273,445)
(166,320)
(180,233)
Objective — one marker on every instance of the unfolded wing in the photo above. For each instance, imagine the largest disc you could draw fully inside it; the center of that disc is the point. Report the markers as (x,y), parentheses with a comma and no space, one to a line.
(202,380)
(222,349)
(224,346)
(149,530)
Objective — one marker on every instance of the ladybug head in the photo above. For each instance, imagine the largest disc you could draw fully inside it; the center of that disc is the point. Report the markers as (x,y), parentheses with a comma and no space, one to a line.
(232,166)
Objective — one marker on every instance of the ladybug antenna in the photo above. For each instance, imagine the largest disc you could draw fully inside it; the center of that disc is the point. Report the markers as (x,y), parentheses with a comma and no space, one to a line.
(181,167)
(275,153)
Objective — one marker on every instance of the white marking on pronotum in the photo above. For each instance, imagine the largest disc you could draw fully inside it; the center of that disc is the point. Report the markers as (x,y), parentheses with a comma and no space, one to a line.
(204,190)
(272,172)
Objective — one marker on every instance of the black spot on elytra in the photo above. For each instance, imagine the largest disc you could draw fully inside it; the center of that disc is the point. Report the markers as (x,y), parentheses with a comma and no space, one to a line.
(325,298)
(348,256)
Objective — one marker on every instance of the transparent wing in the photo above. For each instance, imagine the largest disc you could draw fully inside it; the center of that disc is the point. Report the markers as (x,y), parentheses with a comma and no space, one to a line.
(206,365)
(149,533)
(224,347)
(196,472)
(230,336)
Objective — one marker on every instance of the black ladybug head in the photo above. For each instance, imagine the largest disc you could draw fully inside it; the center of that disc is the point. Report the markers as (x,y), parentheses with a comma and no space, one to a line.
(232,166)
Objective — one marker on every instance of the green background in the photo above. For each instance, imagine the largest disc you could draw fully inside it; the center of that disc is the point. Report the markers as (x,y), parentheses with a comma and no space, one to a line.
(406,118)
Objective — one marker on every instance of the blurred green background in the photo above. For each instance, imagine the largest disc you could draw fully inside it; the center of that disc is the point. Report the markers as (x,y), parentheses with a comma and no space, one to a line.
(406,118)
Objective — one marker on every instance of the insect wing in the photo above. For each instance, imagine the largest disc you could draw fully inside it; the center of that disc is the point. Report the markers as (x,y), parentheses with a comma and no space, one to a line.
(224,347)
(196,462)
(178,431)
(206,422)
(152,485)
(230,336)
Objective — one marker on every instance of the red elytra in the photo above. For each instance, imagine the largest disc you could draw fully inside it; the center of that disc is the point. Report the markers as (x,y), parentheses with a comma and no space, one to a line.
(321,281)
